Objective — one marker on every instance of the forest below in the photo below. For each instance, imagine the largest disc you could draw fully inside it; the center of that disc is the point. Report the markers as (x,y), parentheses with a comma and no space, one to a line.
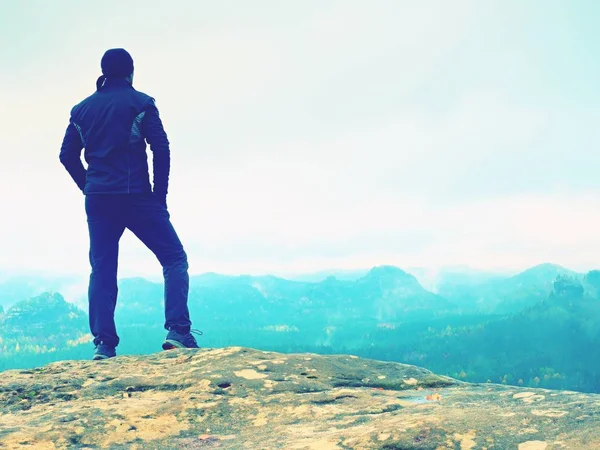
(538,328)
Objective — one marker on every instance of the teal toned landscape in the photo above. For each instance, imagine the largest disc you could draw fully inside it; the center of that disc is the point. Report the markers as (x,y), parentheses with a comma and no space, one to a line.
(383,217)
(537,328)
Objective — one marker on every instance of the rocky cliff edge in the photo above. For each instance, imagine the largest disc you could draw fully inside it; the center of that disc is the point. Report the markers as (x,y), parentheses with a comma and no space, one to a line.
(240,398)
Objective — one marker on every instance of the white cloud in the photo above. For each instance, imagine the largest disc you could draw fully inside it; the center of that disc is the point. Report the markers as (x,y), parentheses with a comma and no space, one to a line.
(330,134)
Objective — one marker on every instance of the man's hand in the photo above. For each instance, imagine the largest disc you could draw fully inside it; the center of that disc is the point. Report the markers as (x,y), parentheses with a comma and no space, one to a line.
(156,136)
(70,155)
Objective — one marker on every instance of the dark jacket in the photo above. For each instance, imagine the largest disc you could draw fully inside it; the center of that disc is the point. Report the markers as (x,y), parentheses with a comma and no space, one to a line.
(113,125)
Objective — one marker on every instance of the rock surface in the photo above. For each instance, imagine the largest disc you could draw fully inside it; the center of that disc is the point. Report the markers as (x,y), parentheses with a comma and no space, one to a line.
(239,398)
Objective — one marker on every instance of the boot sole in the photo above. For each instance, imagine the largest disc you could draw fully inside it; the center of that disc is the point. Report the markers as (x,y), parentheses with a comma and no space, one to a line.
(101,357)
(170,345)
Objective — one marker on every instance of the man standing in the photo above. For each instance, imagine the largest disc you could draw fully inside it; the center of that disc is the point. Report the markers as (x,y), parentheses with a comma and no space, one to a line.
(113,125)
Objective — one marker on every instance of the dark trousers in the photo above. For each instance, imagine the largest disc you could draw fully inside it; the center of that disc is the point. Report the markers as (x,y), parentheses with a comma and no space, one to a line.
(108,215)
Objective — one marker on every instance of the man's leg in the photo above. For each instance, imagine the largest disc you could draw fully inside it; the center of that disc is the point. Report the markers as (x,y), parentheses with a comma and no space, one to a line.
(106,226)
(150,222)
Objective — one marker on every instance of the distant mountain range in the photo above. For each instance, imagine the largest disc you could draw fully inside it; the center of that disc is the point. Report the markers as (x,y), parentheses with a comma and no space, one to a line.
(560,332)
(526,328)
(463,286)
(383,293)
(502,295)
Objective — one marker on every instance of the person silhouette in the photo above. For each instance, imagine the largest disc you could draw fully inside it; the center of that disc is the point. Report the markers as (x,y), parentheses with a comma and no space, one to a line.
(112,126)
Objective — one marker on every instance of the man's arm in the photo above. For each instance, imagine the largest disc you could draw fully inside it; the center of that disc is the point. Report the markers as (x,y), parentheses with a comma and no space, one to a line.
(70,155)
(161,156)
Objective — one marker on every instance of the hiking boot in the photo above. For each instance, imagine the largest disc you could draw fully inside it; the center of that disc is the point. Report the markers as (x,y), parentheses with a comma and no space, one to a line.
(175,339)
(104,351)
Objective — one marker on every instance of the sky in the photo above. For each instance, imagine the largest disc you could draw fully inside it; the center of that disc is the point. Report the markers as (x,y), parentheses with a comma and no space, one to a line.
(320,134)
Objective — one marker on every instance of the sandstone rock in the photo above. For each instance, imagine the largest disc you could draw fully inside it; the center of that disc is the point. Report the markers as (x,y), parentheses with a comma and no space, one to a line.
(239,398)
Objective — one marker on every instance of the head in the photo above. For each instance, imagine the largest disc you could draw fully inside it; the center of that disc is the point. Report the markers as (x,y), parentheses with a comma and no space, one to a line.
(116,63)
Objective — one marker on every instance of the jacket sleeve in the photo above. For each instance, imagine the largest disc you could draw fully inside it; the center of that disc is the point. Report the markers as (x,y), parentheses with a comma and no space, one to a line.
(159,145)
(70,155)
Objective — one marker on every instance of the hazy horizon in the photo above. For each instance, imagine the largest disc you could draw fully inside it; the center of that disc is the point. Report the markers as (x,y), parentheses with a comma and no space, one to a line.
(320,135)
(426,275)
